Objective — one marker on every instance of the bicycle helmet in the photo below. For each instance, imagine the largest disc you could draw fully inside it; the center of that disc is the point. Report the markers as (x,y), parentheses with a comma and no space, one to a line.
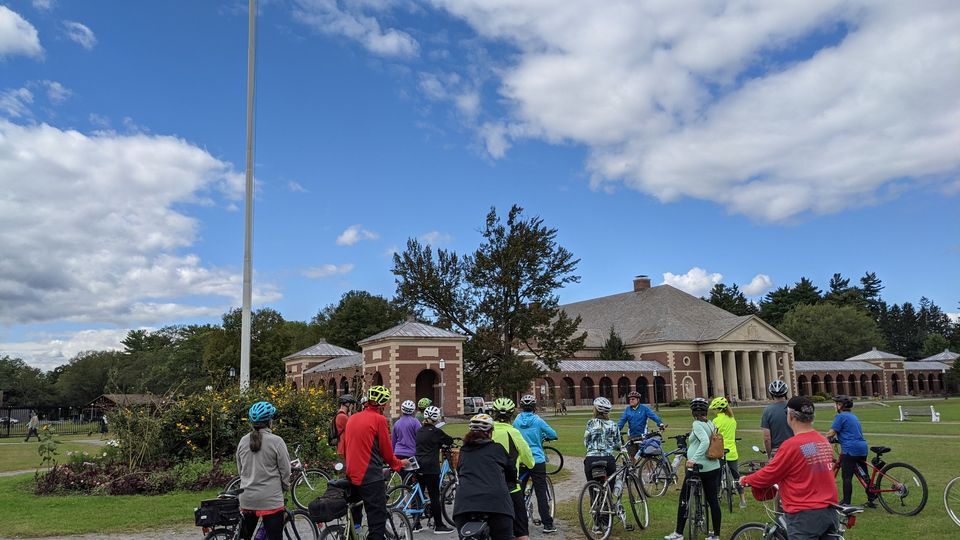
(698,404)
(261,411)
(408,407)
(378,394)
(528,401)
(481,422)
(424,403)
(346,398)
(504,406)
(602,405)
(845,401)
(432,413)
(633,394)
(719,403)
(777,388)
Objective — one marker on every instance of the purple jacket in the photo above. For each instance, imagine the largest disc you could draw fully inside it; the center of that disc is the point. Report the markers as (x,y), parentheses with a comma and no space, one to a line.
(405,435)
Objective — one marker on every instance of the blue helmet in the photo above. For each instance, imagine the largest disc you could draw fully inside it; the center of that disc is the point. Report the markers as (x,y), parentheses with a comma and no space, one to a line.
(261,411)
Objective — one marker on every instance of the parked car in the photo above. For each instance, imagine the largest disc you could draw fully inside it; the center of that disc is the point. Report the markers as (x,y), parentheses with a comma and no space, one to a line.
(473,405)
(6,420)
(488,407)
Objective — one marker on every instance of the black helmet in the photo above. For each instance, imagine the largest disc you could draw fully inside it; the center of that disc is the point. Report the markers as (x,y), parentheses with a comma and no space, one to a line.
(346,398)
(845,401)
(700,405)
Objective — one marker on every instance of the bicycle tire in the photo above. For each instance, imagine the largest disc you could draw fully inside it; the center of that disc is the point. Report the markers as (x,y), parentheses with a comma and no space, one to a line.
(695,515)
(398,526)
(654,477)
(219,534)
(394,480)
(554,459)
(309,485)
(595,499)
(750,467)
(397,496)
(951,500)
(233,484)
(909,479)
(449,495)
(638,502)
(756,531)
(333,532)
(726,483)
(299,526)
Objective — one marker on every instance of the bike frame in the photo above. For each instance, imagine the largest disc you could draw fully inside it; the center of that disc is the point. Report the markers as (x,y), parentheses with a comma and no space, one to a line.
(875,473)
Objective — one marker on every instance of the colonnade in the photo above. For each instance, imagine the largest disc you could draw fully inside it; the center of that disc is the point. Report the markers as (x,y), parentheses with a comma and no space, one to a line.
(743,374)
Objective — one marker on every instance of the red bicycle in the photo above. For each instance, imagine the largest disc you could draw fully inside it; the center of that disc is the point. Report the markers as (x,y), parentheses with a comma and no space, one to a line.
(899,487)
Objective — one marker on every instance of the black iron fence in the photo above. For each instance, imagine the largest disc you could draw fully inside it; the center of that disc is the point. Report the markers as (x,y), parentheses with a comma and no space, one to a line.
(15,421)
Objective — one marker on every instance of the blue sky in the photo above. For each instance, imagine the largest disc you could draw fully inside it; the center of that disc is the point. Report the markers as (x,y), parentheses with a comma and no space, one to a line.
(694,143)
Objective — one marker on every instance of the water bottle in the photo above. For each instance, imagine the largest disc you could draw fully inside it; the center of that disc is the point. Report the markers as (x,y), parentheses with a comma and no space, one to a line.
(261,533)
(676,461)
(618,486)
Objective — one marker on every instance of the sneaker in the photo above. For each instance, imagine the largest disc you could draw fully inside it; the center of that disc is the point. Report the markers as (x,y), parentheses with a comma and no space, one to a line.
(743,504)
(713,537)
(549,529)
(442,529)
(417,527)
(673,536)
(870,504)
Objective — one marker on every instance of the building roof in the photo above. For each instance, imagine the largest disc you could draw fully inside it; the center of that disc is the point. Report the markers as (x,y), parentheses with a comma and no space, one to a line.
(925,366)
(594,365)
(874,355)
(412,329)
(946,356)
(320,349)
(657,314)
(341,362)
(835,366)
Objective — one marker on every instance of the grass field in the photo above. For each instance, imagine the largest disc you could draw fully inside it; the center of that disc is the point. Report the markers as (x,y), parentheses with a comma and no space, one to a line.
(17,455)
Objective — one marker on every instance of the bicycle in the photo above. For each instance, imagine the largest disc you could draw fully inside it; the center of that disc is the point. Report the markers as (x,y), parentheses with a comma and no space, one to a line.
(397,526)
(696,505)
(601,500)
(297,524)
(752,465)
(528,496)
(951,500)
(305,484)
(656,472)
(776,528)
(727,484)
(903,479)
(554,459)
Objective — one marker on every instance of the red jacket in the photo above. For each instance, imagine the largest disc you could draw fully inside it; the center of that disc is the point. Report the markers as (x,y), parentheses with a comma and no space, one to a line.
(368,448)
(340,422)
(803,468)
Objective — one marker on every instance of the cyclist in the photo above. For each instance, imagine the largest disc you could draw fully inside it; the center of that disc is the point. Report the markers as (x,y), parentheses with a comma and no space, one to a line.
(846,428)
(727,426)
(601,438)
(422,405)
(486,472)
(773,423)
(430,439)
(709,473)
(517,448)
(340,420)
(405,431)
(635,416)
(534,430)
(264,466)
(803,470)
(367,443)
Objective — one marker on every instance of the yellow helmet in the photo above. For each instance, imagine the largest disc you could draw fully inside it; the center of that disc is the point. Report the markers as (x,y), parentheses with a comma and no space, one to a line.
(719,404)
(378,394)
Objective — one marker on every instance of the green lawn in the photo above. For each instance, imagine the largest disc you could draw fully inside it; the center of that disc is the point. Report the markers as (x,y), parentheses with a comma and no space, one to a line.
(17,455)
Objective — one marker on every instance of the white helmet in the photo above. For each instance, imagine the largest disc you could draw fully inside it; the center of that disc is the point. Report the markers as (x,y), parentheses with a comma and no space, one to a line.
(602,405)
(432,413)
(408,407)
(481,422)
(777,388)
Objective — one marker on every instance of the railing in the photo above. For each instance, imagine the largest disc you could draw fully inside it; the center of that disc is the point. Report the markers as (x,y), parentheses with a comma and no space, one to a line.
(60,420)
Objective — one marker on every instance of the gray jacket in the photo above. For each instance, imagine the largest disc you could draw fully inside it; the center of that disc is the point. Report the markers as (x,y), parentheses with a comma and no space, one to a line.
(264,475)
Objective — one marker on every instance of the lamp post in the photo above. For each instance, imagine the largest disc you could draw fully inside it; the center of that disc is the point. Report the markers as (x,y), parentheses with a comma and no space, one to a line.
(443,365)
(656,401)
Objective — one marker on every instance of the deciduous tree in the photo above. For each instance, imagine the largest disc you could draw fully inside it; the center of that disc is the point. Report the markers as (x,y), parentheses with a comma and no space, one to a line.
(829,332)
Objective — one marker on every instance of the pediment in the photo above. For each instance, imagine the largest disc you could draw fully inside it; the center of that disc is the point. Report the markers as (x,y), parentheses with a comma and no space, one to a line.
(755,330)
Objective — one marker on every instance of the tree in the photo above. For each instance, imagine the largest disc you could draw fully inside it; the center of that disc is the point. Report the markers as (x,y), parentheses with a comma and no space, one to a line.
(358,315)
(269,343)
(86,376)
(830,332)
(777,303)
(870,286)
(502,297)
(731,299)
(23,385)
(613,348)
(933,344)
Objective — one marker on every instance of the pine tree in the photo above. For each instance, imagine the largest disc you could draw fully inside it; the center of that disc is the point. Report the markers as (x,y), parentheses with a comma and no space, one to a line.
(613,348)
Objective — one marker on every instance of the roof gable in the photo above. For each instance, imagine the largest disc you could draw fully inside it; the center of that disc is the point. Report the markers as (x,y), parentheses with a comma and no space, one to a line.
(746,328)
(320,349)
(412,329)
(946,356)
(874,355)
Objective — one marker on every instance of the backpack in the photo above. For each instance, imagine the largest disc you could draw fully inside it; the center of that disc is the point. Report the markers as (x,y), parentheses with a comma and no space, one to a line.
(716,449)
(333,434)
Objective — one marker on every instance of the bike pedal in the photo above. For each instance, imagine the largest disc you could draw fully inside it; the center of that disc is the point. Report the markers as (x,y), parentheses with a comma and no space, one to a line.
(537,522)
(628,527)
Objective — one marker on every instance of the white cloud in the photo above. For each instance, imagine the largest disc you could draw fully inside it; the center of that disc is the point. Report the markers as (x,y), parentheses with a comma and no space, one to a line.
(350,19)
(17,36)
(49,350)
(760,284)
(15,102)
(43,5)
(716,100)
(328,270)
(435,238)
(56,92)
(354,234)
(99,120)
(99,233)
(80,34)
(696,281)
(296,187)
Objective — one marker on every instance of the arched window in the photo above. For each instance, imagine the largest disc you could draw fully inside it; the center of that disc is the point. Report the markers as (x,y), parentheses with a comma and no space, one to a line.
(344,385)
(912,384)
(660,389)
(815,384)
(802,385)
(586,390)
(875,383)
(895,384)
(840,383)
(939,382)
(569,390)
(623,388)
(377,379)
(689,388)
(828,384)
(606,388)
(332,387)
(643,386)
(551,390)
(864,386)
(852,385)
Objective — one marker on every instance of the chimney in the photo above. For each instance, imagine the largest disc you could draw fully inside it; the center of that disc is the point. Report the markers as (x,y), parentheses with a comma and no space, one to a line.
(641,283)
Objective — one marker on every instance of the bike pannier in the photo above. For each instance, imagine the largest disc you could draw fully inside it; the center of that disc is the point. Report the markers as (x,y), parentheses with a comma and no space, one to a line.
(651,447)
(214,512)
(329,506)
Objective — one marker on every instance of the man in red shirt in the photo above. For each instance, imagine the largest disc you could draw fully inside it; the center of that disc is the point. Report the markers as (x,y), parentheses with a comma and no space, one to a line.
(368,451)
(803,468)
(340,421)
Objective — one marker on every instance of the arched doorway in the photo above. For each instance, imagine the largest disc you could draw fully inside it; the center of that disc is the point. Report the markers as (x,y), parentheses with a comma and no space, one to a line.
(912,384)
(864,389)
(426,385)
(801,385)
(840,383)
(895,384)
(828,384)
(377,379)
(551,390)
(623,388)
(939,382)
(332,385)
(643,386)
(852,385)
(606,388)
(344,385)
(815,384)
(569,390)
(875,383)
(586,391)
(660,389)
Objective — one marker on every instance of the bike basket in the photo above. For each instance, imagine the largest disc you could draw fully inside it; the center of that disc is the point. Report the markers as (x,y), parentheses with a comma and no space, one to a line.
(474,529)
(651,447)
(329,506)
(214,512)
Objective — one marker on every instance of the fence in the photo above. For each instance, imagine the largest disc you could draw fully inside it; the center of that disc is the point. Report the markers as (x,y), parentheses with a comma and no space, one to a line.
(61,420)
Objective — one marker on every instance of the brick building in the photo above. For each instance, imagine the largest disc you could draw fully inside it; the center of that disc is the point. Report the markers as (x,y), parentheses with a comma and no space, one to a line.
(875,373)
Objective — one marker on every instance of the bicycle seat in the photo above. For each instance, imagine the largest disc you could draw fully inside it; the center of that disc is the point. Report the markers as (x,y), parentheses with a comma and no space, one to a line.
(340,483)
(475,529)
(880,450)
(847,510)
(695,467)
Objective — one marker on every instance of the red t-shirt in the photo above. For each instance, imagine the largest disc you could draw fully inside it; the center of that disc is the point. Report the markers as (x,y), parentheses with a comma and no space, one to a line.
(368,448)
(803,468)
(340,422)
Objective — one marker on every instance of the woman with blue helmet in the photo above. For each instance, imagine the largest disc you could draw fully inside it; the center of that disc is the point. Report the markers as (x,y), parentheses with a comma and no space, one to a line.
(264,466)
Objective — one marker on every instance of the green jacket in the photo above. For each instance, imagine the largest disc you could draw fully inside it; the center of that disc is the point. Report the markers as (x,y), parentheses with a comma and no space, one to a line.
(517,449)
(697,444)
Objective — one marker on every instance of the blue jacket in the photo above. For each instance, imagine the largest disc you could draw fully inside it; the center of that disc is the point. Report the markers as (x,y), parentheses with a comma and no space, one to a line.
(637,419)
(534,430)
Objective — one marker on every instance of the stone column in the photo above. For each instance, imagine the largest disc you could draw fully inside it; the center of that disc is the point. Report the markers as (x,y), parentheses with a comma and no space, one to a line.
(772,366)
(730,370)
(747,379)
(761,366)
(716,372)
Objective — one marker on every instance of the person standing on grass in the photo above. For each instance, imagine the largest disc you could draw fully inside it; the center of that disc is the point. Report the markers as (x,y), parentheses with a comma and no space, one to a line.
(697,444)
(726,425)
(33,426)
(535,430)
(635,417)
(264,467)
(773,423)
(853,447)
(430,439)
(601,438)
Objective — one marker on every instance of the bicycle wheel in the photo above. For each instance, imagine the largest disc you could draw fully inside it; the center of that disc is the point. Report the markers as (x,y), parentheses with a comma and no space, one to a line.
(757,531)
(726,484)
(653,477)
(219,534)
(554,459)
(902,489)
(399,496)
(393,480)
(334,532)
(595,511)
(551,498)
(299,526)
(692,530)
(309,485)
(638,502)
(749,467)
(233,484)
(449,495)
(951,500)
(398,526)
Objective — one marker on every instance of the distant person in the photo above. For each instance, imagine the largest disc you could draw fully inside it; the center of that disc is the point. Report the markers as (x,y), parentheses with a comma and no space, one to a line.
(774,420)
(853,448)
(33,426)
(347,402)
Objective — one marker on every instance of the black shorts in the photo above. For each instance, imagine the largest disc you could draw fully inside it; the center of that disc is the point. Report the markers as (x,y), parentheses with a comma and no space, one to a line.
(521,526)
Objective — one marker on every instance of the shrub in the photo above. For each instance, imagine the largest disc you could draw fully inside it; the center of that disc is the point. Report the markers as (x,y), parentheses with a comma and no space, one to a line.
(679,403)
(104,477)
(817,398)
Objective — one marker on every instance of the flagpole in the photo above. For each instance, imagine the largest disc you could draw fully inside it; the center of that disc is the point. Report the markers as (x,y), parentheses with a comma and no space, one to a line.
(248,207)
